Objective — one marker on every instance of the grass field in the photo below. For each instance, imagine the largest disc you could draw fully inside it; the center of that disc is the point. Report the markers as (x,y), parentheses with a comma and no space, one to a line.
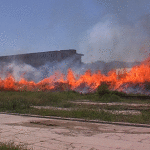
(21,102)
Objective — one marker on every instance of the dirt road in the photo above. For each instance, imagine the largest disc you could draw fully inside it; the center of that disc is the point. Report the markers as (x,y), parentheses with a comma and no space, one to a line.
(54,134)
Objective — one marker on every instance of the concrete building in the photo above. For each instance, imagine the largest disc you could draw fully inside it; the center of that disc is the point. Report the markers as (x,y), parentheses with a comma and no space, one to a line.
(41,58)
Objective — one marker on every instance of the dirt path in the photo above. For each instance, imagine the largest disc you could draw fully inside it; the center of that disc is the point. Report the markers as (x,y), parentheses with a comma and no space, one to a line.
(110,104)
(86,102)
(125,112)
(50,134)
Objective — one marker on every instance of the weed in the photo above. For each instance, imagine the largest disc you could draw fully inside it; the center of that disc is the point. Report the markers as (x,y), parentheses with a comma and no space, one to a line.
(11,146)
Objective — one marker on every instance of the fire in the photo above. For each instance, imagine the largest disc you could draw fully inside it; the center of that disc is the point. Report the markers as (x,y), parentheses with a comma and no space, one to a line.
(137,75)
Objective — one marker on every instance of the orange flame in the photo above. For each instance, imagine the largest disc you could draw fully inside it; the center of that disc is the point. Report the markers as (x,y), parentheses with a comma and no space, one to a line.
(138,74)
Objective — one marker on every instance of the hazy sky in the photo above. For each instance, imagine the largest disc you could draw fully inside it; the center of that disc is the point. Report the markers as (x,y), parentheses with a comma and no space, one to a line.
(102,30)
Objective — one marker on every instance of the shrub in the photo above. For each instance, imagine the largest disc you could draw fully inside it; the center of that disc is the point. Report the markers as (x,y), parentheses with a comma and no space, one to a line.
(103,89)
(106,95)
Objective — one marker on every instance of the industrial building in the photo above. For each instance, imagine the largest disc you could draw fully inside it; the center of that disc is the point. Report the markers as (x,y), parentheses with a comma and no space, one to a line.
(40,58)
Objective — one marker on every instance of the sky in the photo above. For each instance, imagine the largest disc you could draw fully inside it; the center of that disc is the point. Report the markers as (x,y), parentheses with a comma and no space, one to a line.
(102,30)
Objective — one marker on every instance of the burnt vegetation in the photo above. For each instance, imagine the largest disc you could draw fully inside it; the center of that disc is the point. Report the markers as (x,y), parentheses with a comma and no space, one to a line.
(103,89)
(104,92)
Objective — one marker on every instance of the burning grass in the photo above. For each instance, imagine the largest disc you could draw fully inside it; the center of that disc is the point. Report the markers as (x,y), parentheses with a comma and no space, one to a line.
(135,81)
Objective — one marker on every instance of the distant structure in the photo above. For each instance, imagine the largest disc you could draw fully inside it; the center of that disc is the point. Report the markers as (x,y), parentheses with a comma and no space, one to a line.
(120,71)
(41,58)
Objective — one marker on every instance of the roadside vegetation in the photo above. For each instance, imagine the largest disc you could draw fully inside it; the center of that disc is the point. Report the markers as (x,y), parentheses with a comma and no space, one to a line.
(11,146)
(23,102)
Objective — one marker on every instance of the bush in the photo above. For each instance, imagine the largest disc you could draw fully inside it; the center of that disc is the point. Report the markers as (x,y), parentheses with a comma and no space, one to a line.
(103,89)
(106,95)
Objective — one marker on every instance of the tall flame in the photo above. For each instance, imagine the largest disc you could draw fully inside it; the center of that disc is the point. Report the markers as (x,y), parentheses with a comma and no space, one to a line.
(137,75)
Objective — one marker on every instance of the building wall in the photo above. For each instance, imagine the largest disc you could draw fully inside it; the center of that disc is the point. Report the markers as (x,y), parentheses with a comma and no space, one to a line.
(40,58)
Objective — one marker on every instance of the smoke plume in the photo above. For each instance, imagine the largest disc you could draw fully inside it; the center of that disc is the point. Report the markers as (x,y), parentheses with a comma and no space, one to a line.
(108,40)
(30,73)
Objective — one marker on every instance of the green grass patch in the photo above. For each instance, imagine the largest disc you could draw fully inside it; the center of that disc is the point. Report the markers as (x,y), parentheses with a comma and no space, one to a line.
(94,114)
(86,113)
(11,146)
(21,102)
(26,98)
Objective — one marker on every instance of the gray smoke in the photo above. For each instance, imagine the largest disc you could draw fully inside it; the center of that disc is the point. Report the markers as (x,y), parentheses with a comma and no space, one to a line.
(30,73)
(55,69)
(109,40)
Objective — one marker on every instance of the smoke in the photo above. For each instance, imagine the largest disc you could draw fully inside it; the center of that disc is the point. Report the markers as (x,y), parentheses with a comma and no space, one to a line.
(108,40)
(19,71)
(50,69)
(54,70)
